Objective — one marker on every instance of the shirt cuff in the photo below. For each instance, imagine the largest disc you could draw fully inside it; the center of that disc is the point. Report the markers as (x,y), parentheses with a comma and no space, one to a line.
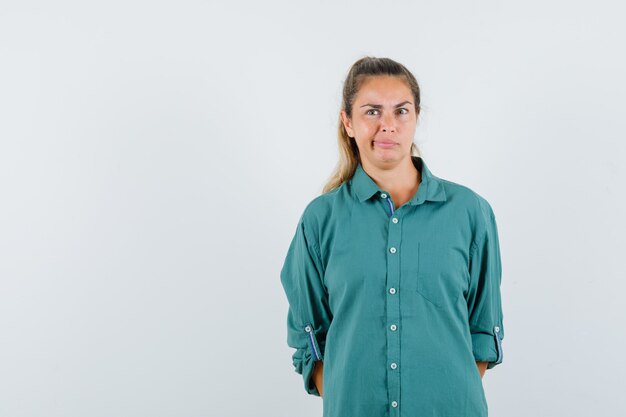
(488,348)
(304,364)
(304,359)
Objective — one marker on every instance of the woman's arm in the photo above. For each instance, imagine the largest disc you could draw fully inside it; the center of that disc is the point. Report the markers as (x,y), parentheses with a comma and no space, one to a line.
(318,376)
(309,315)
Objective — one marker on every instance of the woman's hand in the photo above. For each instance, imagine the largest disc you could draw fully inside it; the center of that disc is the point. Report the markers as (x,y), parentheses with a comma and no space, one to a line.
(482,366)
(318,375)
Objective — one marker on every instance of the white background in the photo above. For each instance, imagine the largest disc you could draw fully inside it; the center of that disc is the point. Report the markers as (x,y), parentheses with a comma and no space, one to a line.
(155,158)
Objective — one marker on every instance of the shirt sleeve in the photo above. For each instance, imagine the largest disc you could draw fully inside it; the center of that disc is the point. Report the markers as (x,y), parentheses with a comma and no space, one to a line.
(309,316)
(484,299)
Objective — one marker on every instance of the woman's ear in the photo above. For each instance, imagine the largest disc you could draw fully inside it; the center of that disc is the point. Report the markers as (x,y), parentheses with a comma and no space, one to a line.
(347,123)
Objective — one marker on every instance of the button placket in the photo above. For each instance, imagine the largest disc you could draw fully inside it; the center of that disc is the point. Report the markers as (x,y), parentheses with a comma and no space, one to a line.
(394,237)
(389,202)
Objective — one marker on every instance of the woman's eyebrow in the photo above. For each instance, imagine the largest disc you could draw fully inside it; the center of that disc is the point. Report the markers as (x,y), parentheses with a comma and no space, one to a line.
(378,106)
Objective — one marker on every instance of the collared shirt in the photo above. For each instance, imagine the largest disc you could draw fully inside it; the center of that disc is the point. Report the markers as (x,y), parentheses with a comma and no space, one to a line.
(398,302)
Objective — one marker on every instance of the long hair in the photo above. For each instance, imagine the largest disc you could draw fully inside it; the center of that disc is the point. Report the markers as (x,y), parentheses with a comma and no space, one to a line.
(349,157)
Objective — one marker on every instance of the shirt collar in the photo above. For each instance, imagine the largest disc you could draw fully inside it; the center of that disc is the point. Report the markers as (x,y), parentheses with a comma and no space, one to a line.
(431,188)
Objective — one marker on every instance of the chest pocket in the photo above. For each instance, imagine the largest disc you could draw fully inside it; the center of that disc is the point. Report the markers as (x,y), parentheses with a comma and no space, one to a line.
(441,277)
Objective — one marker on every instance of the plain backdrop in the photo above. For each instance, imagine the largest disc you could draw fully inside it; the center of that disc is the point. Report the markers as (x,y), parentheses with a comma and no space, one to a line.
(155,158)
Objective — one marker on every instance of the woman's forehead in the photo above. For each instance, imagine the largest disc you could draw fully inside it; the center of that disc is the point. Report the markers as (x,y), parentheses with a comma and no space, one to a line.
(384,88)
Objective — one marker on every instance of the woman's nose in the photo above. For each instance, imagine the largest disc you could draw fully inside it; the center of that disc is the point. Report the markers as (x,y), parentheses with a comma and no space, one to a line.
(388,123)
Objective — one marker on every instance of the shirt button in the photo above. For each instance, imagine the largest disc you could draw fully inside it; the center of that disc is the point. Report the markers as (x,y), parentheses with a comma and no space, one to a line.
(394,404)
(392,249)
(393,327)
(394,365)
(392,290)
(395,220)
(383,195)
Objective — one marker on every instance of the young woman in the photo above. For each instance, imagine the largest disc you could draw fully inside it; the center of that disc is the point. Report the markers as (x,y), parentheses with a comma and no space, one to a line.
(393,275)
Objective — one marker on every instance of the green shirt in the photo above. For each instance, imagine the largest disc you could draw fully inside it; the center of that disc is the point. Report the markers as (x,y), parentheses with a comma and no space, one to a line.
(399,303)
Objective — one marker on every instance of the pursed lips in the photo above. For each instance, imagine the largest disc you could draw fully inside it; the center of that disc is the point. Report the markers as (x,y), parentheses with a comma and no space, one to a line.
(384,143)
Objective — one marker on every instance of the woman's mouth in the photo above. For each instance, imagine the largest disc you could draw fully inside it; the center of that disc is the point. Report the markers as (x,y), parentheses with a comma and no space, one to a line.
(384,144)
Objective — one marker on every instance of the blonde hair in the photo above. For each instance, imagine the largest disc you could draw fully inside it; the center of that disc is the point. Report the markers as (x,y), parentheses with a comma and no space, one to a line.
(349,157)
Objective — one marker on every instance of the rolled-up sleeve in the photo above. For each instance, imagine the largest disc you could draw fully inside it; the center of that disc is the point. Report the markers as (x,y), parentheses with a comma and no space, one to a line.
(484,299)
(309,315)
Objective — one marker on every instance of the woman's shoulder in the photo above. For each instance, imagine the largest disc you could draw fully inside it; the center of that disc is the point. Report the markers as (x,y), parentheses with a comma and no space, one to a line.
(471,204)
(468,197)
(318,212)
(322,205)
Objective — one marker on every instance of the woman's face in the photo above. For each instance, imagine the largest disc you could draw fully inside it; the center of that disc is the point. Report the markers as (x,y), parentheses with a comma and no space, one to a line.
(383,120)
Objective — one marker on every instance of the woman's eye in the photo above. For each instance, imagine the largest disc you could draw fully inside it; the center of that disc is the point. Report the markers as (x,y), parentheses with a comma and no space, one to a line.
(401,110)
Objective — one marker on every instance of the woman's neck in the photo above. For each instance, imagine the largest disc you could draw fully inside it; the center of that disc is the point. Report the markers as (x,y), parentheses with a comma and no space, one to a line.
(401,181)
